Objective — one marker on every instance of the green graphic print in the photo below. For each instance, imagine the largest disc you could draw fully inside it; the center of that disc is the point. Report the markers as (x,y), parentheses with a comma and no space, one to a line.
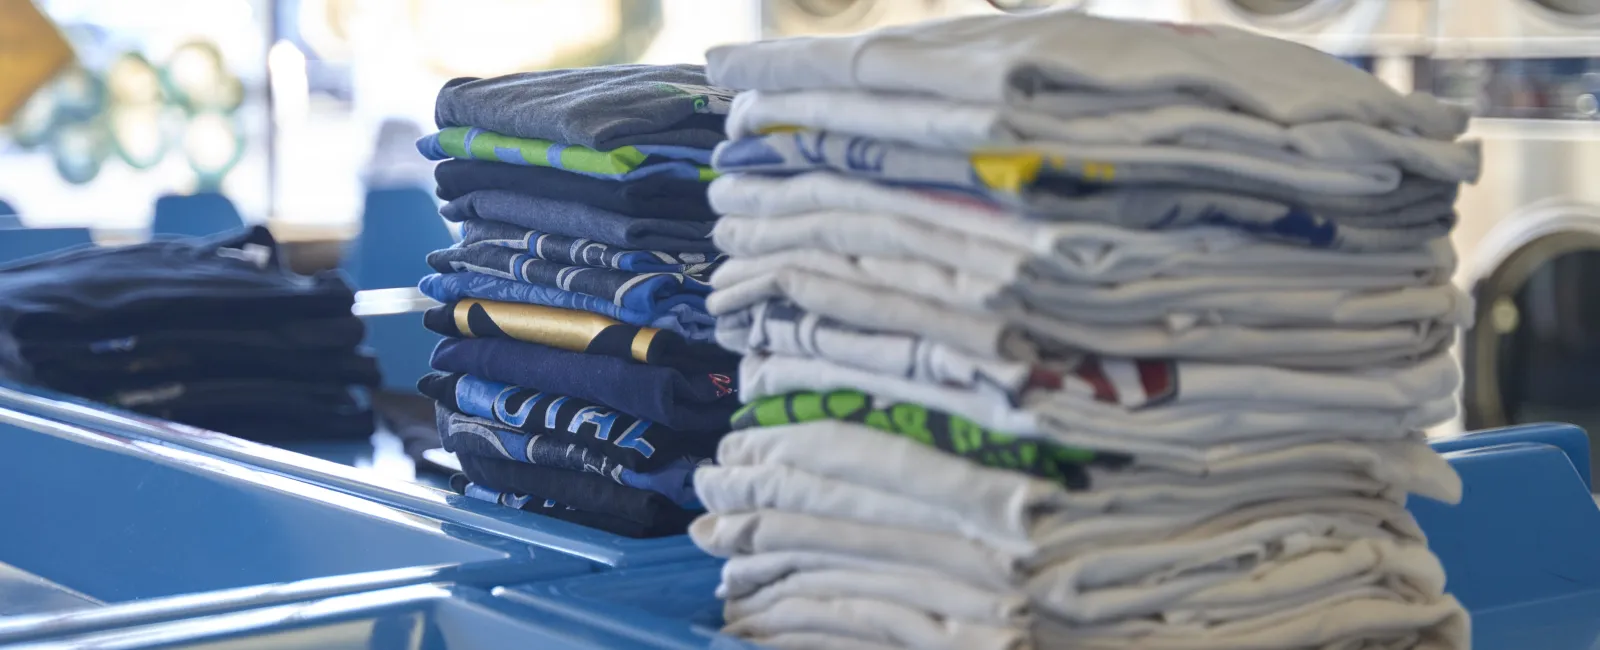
(950,433)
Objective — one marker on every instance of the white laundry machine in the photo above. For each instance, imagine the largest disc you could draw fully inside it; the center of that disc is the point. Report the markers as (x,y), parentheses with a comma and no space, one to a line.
(1343,27)
(1529,230)
(816,17)
(1518,27)
(1383,36)
(821,17)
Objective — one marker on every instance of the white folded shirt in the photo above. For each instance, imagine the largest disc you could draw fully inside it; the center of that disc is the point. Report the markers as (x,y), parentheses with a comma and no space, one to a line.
(776,487)
(950,125)
(927,592)
(1004,500)
(1007,249)
(817,641)
(1238,574)
(1046,60)
(1362,619)
(812,542)
(992,334)
(1181,437)
(874,621)
(1046,178)
(1262,300)
(782,328)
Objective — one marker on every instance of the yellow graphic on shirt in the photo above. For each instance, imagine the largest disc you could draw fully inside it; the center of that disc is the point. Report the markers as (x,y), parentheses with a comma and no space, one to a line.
(1012,171)
(779,128)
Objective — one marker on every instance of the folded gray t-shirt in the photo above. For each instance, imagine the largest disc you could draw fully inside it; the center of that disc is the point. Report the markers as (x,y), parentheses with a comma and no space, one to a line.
(602,107)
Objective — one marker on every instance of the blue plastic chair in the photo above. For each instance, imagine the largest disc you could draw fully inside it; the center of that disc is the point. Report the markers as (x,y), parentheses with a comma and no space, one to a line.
(1519,548)
(6,209)
(195,215)
(399,227)
(18,243)
(10,221)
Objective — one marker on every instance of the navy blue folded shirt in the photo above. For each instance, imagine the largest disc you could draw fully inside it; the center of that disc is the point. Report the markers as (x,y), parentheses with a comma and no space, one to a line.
(626,440)
(653,197)
(650,293)
(582,490)
(673,521)
(583,252)
(685,401)
(466,435)
(583,221)
(231,280)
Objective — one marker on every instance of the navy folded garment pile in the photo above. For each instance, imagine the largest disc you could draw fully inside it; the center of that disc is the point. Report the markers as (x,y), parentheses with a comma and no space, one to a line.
(212,332)
(580,378)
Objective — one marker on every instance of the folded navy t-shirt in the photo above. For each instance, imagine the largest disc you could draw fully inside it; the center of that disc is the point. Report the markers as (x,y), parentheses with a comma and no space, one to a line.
(629,441)
(224,281)
(202,363)
(574,330)
(467,435)
(650,293)
(577,251)
(582,490)
(668,522)
(582,221)
(700,401)
(655,197)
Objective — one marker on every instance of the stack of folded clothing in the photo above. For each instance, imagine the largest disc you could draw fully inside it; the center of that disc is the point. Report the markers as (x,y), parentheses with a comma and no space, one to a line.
(580,379)
(1052,345)
(210,332)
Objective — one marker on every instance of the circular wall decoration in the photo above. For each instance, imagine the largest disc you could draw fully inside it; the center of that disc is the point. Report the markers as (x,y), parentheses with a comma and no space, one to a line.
(31,124)
(79,94)
(131,79)
(80,149)
(197,77)
(138,133)
(213,143)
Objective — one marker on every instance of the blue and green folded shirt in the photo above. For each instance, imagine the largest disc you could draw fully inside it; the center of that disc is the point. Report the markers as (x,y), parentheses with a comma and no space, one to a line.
(622,163)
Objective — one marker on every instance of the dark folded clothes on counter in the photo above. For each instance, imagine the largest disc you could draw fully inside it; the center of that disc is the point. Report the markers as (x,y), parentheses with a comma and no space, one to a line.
(577,331)
(583,252)
(602,107)
(585,491)
(636,444)
(108,373)
(653,197)
(231,280)
(411,418)
(669,523)
(331,334)
(471,436)
(266,409)
(650,293)
(685,401)
(582,221)
(268,425)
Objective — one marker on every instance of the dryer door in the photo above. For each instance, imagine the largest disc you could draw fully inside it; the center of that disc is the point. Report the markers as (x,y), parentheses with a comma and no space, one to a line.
(1533,354)
(1580,8)
(1286,14)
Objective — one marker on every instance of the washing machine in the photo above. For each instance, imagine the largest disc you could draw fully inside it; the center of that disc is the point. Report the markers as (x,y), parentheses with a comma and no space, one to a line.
(1384,37)
(1529,229)
(818,17)
(1518,27)
(825,17)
